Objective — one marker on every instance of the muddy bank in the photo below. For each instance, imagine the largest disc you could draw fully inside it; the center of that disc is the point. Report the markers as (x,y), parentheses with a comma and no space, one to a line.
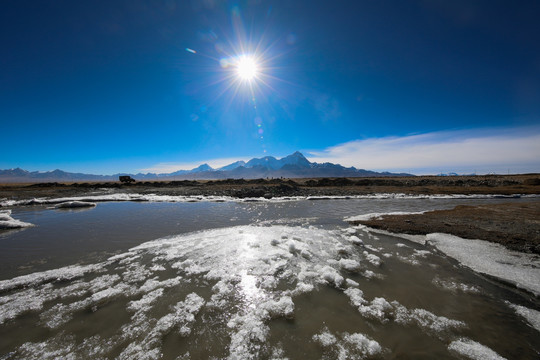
(417,185)
(516,226)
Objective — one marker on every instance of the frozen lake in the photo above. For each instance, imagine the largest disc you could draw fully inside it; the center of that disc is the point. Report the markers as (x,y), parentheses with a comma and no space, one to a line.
(247,280)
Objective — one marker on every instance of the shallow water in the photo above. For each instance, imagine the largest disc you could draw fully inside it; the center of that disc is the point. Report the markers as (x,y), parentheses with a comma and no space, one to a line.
(246,280)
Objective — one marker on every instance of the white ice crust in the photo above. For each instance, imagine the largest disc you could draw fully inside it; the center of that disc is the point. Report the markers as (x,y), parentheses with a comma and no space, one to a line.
(253,273)
(181,198)
(7,222)
(455,286)
(372,216)
(473,350)
(530,315)
(520,269)
(383,311)
(75,204)
(246,264)
(347,346)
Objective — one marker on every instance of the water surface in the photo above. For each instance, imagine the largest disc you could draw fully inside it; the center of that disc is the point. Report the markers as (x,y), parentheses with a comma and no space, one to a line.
(246,280)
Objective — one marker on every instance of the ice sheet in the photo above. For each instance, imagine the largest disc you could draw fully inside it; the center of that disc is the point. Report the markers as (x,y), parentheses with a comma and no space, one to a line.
(246,264)
(241,277)
(491,259)
(520,269)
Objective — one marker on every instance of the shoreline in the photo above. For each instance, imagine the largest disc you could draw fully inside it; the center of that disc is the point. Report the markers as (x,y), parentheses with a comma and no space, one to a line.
(526,184)
(516,269)
(516,226)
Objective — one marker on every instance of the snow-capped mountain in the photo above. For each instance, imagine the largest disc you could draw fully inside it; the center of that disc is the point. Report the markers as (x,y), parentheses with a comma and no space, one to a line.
(272,163)
(200,168)
(292,166)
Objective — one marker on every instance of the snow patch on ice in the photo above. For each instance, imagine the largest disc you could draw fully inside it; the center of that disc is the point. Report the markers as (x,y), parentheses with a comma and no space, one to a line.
(530,315)
(378,309)
(383,311)
(181,318)
(349,265)
(7,222)
(520,269)
(146,301)
(356,240)
(5,215)
(347,346)
(302,288)
(356,296)
(61,274)
(413,259)
(372,248)
(425,320)
(454,286)
(370,275)
(373,259)
(421,253)
(377,216)
(331,276)
(251,330)
(57,347)
(419,239)
(325,338)
(75,204)
(473,350)
(492,259)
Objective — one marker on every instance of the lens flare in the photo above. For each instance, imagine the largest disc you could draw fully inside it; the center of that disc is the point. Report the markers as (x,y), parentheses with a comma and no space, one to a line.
(246,68)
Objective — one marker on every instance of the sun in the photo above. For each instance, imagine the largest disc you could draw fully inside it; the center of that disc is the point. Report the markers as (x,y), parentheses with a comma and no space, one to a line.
(246,68)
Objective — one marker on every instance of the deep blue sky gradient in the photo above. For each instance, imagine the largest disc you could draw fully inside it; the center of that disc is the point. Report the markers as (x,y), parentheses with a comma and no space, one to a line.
(108,86)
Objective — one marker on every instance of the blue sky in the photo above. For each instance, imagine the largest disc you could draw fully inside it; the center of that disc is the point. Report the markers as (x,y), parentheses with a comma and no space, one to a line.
(421,86)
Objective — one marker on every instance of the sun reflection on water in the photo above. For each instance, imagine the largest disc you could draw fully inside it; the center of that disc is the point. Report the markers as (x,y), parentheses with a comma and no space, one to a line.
(249,287)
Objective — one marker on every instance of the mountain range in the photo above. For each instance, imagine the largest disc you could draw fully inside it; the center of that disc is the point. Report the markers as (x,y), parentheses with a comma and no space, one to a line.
(291,166)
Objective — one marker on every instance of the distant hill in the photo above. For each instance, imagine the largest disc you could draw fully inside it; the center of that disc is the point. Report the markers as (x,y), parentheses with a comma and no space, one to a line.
(291,166)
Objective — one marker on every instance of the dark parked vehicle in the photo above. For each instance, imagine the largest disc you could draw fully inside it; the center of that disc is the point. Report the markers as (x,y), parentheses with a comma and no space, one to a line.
(126,179)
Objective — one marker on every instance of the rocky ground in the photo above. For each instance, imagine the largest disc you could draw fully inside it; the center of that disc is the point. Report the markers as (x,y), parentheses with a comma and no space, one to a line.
(491,184)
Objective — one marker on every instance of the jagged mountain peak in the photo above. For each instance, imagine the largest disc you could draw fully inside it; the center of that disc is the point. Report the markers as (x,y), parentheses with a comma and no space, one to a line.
(233,165)
(296,158)
(267,161)
(203,167)
(292,166)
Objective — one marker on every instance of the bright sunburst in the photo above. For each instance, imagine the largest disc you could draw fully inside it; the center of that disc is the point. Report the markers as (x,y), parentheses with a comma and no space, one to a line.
(246,68)
(245,64)
(247,74)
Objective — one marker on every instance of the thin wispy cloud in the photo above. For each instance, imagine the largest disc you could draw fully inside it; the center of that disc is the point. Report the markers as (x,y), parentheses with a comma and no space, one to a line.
(515,150)
(484,151)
